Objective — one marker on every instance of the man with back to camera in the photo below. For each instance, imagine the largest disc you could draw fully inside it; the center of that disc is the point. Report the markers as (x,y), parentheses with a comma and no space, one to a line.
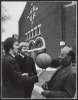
(63,82)
(26,65)
(12,79)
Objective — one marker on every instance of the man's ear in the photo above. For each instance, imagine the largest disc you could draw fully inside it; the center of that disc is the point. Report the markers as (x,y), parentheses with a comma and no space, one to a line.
(69,57)
(12,47)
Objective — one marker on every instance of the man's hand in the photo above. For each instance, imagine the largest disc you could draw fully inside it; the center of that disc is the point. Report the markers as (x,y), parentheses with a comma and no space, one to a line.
(45,86)
(45,93)
(41,72)
(25,74)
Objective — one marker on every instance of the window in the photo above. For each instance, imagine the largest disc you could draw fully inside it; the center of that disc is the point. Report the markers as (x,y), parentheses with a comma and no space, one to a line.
(38,30)
(26,37)
(34,32)
(30,34)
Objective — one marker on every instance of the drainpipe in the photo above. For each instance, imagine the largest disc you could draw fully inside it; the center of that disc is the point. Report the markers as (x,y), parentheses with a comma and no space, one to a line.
(63,22)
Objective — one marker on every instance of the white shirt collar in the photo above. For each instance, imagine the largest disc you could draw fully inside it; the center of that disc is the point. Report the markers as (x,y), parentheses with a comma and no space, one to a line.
(13,55)
(22,55)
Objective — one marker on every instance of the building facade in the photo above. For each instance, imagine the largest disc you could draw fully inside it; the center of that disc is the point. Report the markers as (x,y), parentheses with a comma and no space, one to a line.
(46,24)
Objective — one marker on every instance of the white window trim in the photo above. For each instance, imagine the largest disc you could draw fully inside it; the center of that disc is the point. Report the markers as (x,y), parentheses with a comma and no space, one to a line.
(35,28)
(33,33)
(39,25)
(29,34)
(39,30)
(31,30)
(44,45)
(73,3)
(33,42)
(26,33)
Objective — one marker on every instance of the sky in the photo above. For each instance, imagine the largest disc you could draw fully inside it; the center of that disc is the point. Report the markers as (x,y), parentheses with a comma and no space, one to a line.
(14,9)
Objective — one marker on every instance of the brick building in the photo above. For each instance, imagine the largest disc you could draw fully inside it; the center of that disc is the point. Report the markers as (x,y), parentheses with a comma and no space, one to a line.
(45,24)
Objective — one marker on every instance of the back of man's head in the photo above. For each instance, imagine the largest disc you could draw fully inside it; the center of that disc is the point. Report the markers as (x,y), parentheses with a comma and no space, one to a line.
(8,44)
(69,51)
(72,54)
(65,49)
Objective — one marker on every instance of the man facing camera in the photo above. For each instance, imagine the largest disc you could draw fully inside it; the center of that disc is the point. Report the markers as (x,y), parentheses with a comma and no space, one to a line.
(26,65)
(12,79)
(63,82)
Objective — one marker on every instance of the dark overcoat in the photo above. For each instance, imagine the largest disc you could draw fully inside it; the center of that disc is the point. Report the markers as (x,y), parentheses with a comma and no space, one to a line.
(27,65)
(63,83)
(12,79)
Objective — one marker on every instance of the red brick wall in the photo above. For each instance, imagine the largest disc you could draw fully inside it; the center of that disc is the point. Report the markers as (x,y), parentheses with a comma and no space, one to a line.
(70,26)
(24,24)
(49,15)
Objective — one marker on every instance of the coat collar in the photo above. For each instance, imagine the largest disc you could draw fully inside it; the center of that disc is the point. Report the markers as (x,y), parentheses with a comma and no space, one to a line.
(61,72)
(8,54)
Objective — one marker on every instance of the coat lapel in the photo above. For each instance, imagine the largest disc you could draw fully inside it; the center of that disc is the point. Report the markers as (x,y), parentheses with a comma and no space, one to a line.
(27,61)
(8,54)
(60,73)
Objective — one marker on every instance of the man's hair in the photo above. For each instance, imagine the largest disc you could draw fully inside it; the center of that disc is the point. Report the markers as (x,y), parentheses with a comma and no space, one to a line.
(23,44)
(8,44)
(72,54)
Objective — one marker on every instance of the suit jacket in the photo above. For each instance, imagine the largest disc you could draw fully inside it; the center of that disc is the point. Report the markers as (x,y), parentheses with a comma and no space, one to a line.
(27,65)
(62,84)
(12,79)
